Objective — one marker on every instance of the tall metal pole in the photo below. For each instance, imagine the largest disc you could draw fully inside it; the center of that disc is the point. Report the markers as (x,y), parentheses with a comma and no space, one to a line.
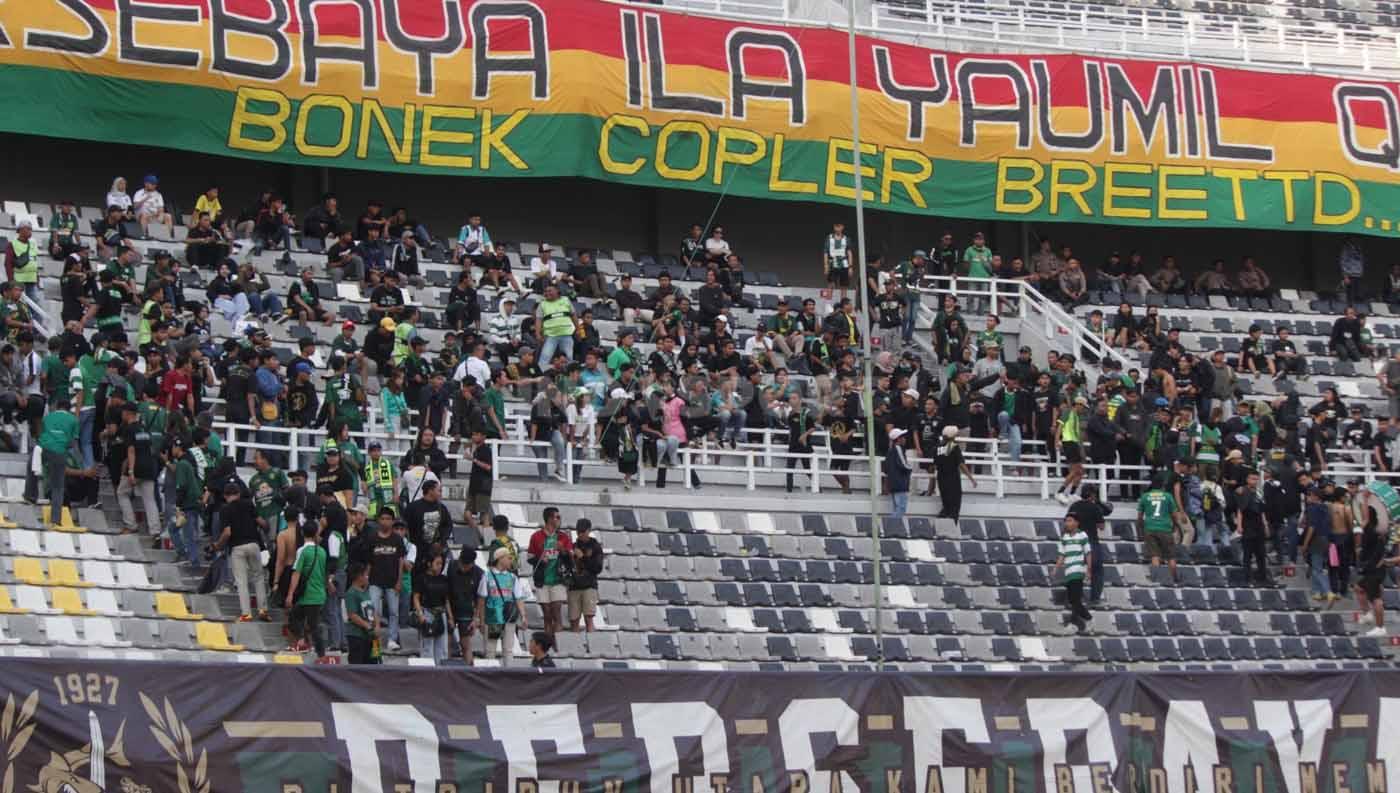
(867,392)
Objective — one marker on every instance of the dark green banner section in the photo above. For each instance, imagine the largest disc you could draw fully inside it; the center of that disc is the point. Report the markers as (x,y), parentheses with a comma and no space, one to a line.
(76,726)
(263,124)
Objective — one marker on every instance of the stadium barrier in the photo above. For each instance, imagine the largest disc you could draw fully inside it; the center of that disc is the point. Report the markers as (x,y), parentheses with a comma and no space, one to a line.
(136,726)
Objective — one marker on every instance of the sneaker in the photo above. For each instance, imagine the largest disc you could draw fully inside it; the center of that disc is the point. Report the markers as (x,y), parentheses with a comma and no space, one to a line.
(394,646)
(245,617)
(1376,632)
(1063,498)
(264,616)
(1318,596)
(1368,618)
(560,476)
(1333,597)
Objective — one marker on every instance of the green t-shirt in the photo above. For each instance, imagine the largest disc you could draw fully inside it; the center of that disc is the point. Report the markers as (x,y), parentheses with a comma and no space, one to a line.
(187,481)
(1156,508)
(359,603)
(617,358)
(311,564)
(1207,444)
(215,448)
(266,487)
(979,261)
(59,431)
(551,568)
(94,370)
(150,312)
(496,403)
(345,347)
(989,337)
(56,374)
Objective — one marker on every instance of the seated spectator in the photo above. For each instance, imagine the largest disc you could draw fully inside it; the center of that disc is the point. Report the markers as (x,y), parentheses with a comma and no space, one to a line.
(1214,281)
(587,280)
(374,257)
(304,299)
(544,271)
(1345,340)
(1134,279)
(372,218)
(111,238)
(474,244)
(63,231)
(323,221)
(1391,293)
(118,197)
(1253,281)
(1046,266)
(148,204)
(403,258)
(716,248)
(463,309)
(1168,279)
(261,300)
(226,295)
(1111,274)
(634,307)
(1123,333)
(205,244)
(1254,358)
(208,201)
(1073,284)
(503,331)
(343,258)
(247,220)
(496,268)
(693,246)
(1286,358)
(273,225)
(1366,341)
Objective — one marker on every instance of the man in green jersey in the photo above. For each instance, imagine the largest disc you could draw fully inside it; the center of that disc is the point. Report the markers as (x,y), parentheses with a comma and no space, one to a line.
(60,430)
(1155,511)
(1074,557)
(267,486)
(310,567)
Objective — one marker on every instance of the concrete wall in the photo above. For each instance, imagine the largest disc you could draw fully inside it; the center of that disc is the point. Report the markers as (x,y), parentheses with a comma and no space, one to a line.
(771,235)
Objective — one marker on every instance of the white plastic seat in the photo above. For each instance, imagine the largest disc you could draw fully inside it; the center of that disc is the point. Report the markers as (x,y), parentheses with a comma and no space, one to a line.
(98,573)
(131,574)
(102,632)
(104,601)
(707,522)
(838,648)
(761,523)
(61,630)
(57,543)
(94,546)
(33,599)
(24,543)
(740,620)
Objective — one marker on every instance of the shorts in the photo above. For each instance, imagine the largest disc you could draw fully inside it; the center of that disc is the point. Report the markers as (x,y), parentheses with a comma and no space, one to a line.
(465,629)
(1370,583)
(839,276)
(582,603)
(1073,452)
(479,503)
(1160,544)
(554,593)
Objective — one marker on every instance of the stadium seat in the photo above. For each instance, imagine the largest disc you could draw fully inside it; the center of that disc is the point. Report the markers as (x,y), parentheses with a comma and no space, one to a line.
(172,606)
(212,636)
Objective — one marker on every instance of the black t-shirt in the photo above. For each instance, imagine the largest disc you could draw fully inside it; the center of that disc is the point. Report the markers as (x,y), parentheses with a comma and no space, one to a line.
(462,585)
(109,302)
(242,522)
(481,477)
(890,307)
(432,590)
(310,293)
(339,478)
(134,435)
(386,297)
(1089,513)
(384,555)
(336,519)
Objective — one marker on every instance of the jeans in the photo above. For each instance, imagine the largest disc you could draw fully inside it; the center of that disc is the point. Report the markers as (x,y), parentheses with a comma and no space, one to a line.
(233,308)
(390,598)
(911,313)
(33,292)
(87,418)
(184,537)
(1210,532)
(731,424)
(269,440)
(1317,571)
(146,489)
(55,471)
(901,504)
(246,560)
(564,344)
(556,440)
(264,303)
(434,647)
(507,644)
(1011,431)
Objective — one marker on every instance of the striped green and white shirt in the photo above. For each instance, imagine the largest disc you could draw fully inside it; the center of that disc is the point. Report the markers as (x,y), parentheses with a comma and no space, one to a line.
(1075,550)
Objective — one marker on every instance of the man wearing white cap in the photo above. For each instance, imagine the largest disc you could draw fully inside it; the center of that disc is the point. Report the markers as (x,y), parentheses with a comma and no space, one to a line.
(898,471)
(500,609)
(545,270)
(948,460)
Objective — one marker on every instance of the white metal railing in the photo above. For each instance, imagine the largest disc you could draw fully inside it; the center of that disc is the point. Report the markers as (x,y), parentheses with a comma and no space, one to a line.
(1038,314)
(1245,40)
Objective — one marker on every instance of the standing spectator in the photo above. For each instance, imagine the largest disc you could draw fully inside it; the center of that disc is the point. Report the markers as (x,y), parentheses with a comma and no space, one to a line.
(1351,261)
(1374,567)
(244,542)
(385,552)
(588,565)
(898,472)
(429,521)
(309,568)
(22,261)
(138,468)
(432,606)
(555,323)
(1074,556)
(499,613)
(362,628)
(550,553)
(978,257)
(463,580)
(1251,528)
(1156,521)
(1091,514)
(1070,440)
(836,260)
(948,461)
(801,424)
(58,436)
(1222,385)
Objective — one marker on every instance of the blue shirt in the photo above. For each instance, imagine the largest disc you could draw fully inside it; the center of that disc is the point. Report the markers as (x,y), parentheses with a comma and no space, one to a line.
(268,384)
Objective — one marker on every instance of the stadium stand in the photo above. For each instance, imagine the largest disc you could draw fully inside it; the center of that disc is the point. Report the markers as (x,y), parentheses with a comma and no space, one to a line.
(760,578)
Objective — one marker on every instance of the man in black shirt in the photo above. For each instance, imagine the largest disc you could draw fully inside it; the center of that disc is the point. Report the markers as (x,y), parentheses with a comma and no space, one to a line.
(463,579)
(428,519)
(385,553)
(1250,525)
(387,299)
(138,472)
(304,299)
(345,254)
(1286,358)
(889,305)
(1374,567)
(323,220)
(240,535)
(1091,513)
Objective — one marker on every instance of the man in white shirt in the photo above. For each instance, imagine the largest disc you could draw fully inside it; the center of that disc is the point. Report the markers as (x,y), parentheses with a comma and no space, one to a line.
(716,248)
(503,331)
(544,270)
(475,365)
(149,205)
(473,241)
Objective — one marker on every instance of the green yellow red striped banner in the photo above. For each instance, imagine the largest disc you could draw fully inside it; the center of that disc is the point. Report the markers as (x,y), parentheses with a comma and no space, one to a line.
(640,95)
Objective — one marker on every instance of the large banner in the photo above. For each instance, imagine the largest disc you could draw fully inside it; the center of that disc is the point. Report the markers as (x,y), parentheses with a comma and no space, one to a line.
(636,94)
(85,727)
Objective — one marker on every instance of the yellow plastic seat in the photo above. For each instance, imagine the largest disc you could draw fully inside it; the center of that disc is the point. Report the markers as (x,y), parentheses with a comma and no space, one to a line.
(6,605)
(212,636)
(29,570)
(172,605)
(65,521)
(6,523)
(64,572)
(288,658)
(69,601)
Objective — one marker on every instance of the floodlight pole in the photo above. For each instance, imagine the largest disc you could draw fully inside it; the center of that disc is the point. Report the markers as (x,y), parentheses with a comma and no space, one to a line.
(867,393)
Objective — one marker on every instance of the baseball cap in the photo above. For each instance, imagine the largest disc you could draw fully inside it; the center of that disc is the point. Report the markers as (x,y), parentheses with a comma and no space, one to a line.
(388,323)
(1161,402)
(375,445)
(920,254)
(912,393)
(301,368)
(897,433)
(348,324)
(151,178)
(1081,400)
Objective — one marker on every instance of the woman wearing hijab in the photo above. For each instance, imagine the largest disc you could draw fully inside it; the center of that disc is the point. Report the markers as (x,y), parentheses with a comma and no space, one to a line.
(118,197)
(948,460)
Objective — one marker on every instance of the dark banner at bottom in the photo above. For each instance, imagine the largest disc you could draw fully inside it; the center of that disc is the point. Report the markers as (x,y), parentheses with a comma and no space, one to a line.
(84,727)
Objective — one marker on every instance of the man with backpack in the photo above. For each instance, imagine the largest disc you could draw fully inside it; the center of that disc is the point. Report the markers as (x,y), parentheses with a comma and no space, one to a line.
(498,611)
(550,552)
